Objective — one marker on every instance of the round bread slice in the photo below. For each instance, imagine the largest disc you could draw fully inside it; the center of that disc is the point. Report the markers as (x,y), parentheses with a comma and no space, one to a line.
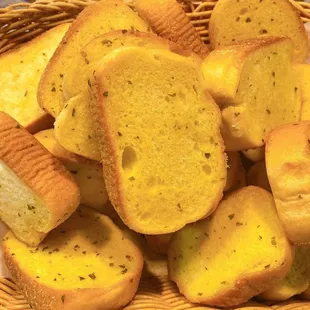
(87,173)
(96,19)
(235,254)
(86,263)
(37,193)
(288,169)
(162,152)
(168,19)
(74,127)
(254,84)
(296,281)
(257,175)
(236,20)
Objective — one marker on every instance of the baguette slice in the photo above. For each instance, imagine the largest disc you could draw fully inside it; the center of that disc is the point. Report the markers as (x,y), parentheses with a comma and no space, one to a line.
(162,152)
(255,155)
(87,173)
(20,73)
(257,176)
(255,86)
(303,72)
(296,281)
(233,21)
(168,19)
(96,19)
(236,177)
(237,253)
(288,170)
(86,263)
(74,125)
(36,192)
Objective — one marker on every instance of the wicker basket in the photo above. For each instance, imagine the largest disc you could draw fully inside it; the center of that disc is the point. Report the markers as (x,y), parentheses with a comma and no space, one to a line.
(22,22)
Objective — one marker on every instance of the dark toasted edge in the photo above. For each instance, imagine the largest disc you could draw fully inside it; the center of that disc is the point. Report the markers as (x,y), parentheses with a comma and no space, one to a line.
(43,122)
(146,9)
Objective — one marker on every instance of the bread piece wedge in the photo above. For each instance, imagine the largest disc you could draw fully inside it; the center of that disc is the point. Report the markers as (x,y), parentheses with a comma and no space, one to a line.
(296,281)
(257,175)
(159,243)
(162,152)
(255,155)
(255,86)
(237,253)
(302,72)
(86,263)
(20,73)
(74,125)
(234,21)
(87,173)
(288,169)
(37,193)
(168,19)
(96,19)
(236,177)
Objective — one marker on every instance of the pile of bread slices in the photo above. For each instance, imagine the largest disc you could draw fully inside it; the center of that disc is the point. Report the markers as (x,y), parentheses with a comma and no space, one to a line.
(126,126)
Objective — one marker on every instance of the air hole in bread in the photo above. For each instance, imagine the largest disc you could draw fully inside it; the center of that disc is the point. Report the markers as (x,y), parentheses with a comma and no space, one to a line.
(206,168)
(243,11)
(129,159)
(156,57)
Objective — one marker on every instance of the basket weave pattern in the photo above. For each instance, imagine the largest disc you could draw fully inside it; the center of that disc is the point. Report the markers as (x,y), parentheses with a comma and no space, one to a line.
(22,22)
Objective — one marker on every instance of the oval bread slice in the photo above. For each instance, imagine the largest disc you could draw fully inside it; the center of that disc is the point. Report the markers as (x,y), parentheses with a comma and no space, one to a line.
(86,263)
(37,193)
(288,169)
(238,252)
(232,21)
(162,152)
(97,19)
(87,173)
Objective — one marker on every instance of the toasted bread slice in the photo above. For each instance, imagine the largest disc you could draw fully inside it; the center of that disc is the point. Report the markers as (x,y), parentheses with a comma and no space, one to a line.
(162,152)
(254,84)
(235,172)
(233,21)
(296,281)
(86,263)
(303,72)
(20,73)
(87,173)
(96,19)
(37,193)
(255,155)
(159,243)
(288,170)
(168,19)
(74,126)
(237,253)
(257,176)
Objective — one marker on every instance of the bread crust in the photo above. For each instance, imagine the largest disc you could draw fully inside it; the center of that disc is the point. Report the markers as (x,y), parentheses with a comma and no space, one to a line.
(39,170)
(288,170)
(169,20)
(44,297)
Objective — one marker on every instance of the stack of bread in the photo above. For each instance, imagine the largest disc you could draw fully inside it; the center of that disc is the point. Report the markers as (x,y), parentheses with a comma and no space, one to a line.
(129,140)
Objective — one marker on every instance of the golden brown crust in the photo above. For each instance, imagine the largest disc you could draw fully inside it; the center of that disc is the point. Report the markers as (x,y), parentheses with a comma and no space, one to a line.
(288,169)
(168,19)
(39,170)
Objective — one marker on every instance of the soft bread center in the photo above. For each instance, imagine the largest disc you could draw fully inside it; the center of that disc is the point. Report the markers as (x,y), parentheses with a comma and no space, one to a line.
(20,208)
